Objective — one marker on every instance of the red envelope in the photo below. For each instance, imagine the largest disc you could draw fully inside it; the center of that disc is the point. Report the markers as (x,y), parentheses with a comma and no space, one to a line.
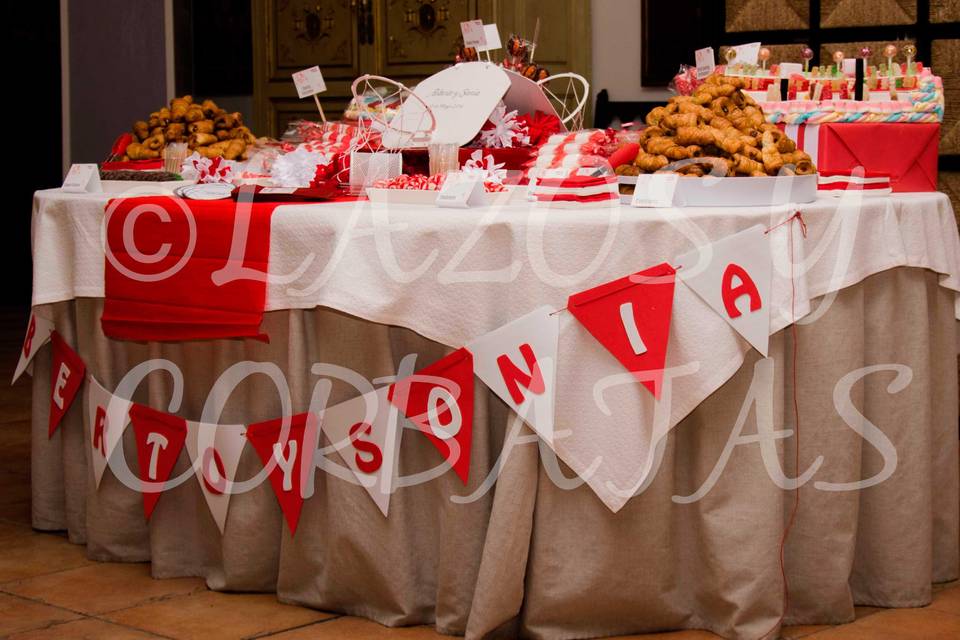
(908,152)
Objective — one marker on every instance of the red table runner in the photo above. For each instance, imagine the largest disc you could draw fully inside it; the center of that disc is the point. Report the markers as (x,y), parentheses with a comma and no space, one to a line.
(159,287)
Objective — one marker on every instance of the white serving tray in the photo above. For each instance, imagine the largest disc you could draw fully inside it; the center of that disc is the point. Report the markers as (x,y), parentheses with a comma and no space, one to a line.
(739,191)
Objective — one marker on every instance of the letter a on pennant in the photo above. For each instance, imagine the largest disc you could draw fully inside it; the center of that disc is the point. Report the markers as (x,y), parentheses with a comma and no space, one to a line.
(286,447)
(160,437)
(439,400)
(66,376)
(734,279)
(630,317)
(518,362)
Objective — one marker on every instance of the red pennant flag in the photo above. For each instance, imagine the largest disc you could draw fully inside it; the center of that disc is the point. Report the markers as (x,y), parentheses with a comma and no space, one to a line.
(66,376)
(289,458)
(160,437)
(439,400)
(630,317)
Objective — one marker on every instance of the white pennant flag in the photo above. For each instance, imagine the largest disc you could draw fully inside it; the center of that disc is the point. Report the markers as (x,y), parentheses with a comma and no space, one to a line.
(518,362)
(107,418)
(38,333)
(365,432)
(215,451)
(734,279)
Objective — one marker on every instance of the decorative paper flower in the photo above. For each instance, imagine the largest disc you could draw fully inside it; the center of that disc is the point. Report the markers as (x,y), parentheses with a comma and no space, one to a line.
(540,126)
(503,130)
(207,170)
(298,168)
(484,168)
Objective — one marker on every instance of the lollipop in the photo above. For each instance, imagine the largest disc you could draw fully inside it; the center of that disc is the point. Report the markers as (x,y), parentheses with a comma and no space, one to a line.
(838,59)
(763,55)
(865,52)
(807,55)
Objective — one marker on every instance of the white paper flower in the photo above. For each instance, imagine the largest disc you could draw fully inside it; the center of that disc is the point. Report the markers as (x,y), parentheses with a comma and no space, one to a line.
(297,168)
(506,131)
(484,168)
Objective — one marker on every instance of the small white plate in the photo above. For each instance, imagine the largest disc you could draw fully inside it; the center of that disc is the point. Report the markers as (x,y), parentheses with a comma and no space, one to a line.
(212,191)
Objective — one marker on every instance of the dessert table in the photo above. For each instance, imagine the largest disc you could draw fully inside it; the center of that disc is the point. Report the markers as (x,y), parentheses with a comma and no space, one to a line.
(668,513)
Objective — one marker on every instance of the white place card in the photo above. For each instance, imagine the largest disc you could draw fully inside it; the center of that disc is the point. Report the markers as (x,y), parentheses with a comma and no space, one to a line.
(82,178)
(460,191)
(492,36)
(309,82)
(706,62)
(474,35)
(655,190)
(278,190)
(747,53)
(788,69)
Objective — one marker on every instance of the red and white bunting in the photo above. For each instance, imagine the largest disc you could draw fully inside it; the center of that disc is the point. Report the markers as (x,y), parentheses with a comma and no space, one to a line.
(38,333)
(631,318)
(286,447)
(518,362)
(366,434)
(439,400)
(734,279)
(107,418)
(66,376)
(160,437)
(215,454)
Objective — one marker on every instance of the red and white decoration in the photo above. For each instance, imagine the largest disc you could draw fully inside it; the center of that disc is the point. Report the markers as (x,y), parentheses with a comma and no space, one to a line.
(215,455)
(160,438)
(518,362)
(870,183)
(630,317)
(107,418)
(66,376)
(364,431)
(38,333)
(733,276)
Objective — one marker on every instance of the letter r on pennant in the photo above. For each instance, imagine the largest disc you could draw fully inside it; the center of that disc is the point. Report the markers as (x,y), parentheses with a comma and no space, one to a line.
(514,377)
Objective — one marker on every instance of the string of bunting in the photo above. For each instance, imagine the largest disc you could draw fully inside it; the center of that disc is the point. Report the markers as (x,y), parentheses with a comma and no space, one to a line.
(630,317)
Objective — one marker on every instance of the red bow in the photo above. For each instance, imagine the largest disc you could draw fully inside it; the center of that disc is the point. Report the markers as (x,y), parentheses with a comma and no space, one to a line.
(540,126)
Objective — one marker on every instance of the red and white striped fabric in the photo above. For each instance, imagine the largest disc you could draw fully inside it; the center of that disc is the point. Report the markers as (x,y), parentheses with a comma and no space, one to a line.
(577,190)
(871,183)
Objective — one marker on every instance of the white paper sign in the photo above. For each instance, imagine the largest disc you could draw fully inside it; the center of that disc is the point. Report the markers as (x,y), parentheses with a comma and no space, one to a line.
(706,62)
(655,190)
(107,418)
(461,97)
(474,35)
(492,38)
(82,178)
(788,69)
(733,275)
(365,433)
(38,334)
(460,191)
(518,362)
(747,53)
(215,451)
(309,82)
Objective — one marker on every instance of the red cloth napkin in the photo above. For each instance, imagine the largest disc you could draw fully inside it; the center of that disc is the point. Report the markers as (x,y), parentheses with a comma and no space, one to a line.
(186,304)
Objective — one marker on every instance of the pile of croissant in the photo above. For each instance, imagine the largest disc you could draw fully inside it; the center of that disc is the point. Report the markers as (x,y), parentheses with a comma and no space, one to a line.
(205,127)
(719,131)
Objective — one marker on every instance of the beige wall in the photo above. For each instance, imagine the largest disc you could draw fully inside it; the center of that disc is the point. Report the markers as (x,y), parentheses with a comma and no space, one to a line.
(616,51)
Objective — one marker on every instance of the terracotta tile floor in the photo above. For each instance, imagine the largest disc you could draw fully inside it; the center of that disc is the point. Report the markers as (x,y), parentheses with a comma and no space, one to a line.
(48,589)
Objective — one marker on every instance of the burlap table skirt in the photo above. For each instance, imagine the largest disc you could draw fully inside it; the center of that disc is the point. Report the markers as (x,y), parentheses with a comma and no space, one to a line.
(530,558)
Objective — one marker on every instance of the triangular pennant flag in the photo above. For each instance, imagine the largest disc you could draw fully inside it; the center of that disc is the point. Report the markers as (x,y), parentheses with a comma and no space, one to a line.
(631,318)
(215,454)
(365,433)
(734,279)
(66,376)
(439,400)
(518,361)
(286,447)
(38,333)
(160,437)
(107,418)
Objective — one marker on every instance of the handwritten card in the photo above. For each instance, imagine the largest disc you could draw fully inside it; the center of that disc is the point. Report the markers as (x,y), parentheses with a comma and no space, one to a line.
(492,36)
(474,35)
(460,191)
(82,178)
(706,62)
(309,82)
(655,190)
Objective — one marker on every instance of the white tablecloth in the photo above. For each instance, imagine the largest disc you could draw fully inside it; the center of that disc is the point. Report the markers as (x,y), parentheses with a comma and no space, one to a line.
(453,275)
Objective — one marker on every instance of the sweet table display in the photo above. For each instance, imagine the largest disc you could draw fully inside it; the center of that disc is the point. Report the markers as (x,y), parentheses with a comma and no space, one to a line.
(657,366)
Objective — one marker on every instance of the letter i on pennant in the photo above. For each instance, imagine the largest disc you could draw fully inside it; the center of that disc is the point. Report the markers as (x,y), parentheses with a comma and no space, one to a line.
(630,317)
